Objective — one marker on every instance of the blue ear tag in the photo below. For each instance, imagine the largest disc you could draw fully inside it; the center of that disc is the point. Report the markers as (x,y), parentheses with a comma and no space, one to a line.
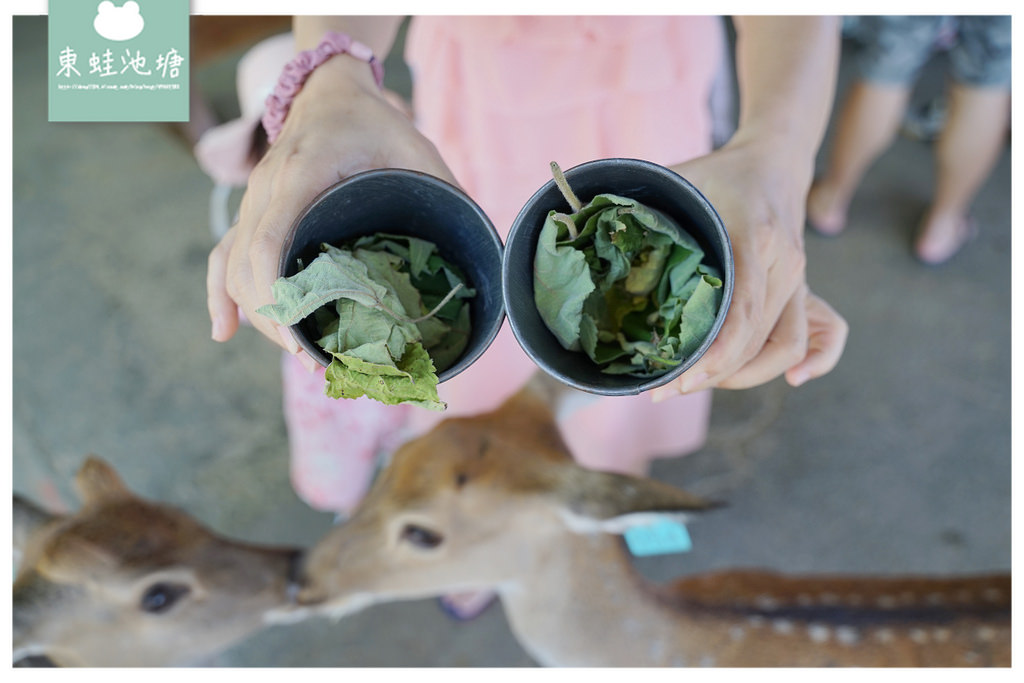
(659,538)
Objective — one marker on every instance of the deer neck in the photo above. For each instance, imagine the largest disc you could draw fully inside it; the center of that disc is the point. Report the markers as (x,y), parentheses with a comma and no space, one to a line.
(582,604)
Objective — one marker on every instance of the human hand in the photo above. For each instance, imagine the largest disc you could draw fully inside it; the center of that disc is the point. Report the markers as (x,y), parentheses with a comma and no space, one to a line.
(775,325)
(338,125)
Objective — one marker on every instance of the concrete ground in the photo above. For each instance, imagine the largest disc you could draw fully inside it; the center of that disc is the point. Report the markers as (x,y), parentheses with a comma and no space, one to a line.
(898,461)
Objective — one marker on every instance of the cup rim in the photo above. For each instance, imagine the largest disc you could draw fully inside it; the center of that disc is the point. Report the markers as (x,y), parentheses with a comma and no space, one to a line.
(284,260)
(523,237)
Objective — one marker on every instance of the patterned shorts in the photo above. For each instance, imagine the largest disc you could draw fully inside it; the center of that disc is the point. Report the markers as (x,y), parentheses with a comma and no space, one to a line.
(896,47)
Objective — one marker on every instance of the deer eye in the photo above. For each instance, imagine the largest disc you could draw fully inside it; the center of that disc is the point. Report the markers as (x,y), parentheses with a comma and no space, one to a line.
(421,537)
(161,597)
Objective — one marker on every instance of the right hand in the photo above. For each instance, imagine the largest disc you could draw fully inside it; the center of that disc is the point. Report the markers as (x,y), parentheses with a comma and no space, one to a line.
(339,124)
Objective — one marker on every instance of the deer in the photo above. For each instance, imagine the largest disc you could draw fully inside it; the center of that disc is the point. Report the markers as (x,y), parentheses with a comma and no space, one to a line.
(495,501)
(125,581)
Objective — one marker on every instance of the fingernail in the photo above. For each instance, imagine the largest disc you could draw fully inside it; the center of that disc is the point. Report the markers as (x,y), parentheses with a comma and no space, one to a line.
(660,394)
(691,383)
(799,377)
(289,341)
(219,328)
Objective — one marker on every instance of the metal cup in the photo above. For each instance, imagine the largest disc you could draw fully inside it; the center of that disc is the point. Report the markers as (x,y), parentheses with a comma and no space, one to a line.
(411,203)
(648,183)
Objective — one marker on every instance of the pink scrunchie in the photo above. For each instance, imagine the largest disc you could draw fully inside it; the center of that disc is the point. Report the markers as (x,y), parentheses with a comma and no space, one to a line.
(297,71)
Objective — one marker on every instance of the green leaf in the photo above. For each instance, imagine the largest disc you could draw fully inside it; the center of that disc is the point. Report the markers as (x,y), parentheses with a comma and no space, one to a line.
(411,381)
(561,284)
(332,275)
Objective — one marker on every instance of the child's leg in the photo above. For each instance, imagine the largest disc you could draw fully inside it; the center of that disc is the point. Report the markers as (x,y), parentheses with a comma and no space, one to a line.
(972,140)
(334,443)
(868,122)
(894,50)
(965,154)
(624,434)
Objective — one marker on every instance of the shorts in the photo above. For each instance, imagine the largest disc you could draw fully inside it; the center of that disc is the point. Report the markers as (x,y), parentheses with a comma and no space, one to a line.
(896,47)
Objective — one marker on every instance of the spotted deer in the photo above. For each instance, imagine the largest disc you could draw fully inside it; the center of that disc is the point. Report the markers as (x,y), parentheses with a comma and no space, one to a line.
(496,502)
(128,582)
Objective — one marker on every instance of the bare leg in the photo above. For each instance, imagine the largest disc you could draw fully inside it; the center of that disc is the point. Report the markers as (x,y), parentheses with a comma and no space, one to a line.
(868,122)
(966,152)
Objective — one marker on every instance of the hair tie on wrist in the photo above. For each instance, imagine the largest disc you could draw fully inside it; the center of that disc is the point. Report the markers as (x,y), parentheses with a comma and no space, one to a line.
(298,70)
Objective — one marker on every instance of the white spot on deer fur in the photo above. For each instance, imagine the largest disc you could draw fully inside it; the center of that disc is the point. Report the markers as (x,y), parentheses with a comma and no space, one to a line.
(919,636)
(783,626)
(829,599)
(847,635)
(756,621)
(818,633)
(886,601)
(941,635)
(992,594)
(986,633)
(766,602)
(737,633)
(884,635)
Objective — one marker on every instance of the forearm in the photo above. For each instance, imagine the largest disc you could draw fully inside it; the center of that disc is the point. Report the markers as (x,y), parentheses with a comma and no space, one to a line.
(376,32)
(786,68)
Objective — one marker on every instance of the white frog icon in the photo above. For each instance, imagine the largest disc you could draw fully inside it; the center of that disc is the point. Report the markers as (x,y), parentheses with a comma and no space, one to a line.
(118,23)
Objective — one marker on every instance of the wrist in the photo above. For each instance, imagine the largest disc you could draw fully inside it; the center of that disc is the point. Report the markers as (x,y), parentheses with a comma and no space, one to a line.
(338,59)
(774,150)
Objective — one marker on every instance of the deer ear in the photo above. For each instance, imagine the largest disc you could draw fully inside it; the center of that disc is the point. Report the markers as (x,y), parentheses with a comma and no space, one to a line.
(612,503)
(28,518)
(97,481)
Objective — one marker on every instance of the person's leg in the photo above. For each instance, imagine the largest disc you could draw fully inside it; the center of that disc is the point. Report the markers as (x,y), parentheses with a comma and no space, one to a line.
(965,154)
(969,145)
(868,122)
(893,50)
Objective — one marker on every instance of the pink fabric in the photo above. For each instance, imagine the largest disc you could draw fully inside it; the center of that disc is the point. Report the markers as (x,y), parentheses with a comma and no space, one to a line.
(334,443)
(297,71)
(502,97)
(225,152)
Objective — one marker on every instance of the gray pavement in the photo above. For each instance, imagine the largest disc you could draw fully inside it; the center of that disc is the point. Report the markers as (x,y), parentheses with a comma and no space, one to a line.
(898,461)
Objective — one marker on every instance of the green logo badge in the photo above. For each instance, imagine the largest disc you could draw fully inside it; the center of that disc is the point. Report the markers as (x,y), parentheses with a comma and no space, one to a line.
(121,60)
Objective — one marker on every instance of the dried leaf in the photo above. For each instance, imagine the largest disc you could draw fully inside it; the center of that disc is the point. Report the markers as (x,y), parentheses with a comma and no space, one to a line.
(628,288)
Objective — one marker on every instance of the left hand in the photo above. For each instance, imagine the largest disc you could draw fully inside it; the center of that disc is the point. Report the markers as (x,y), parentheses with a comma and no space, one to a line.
(775,325)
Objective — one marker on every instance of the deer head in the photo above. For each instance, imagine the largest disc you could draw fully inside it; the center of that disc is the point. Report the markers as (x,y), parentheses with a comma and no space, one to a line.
(495,501)
(473,504)
(128,582)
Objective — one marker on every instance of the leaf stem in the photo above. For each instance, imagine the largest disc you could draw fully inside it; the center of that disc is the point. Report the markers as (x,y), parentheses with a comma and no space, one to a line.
(446,299)
(563,187)
(431,314)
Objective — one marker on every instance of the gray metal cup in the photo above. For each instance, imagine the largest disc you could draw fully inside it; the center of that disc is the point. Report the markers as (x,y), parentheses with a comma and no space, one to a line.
(648,183)
(411,203)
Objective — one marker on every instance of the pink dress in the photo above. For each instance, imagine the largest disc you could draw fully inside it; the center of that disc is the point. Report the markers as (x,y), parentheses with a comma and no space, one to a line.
(502,97)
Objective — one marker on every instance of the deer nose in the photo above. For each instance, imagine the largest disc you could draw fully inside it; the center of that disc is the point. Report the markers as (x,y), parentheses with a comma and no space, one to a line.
(295,578)
(300,588)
